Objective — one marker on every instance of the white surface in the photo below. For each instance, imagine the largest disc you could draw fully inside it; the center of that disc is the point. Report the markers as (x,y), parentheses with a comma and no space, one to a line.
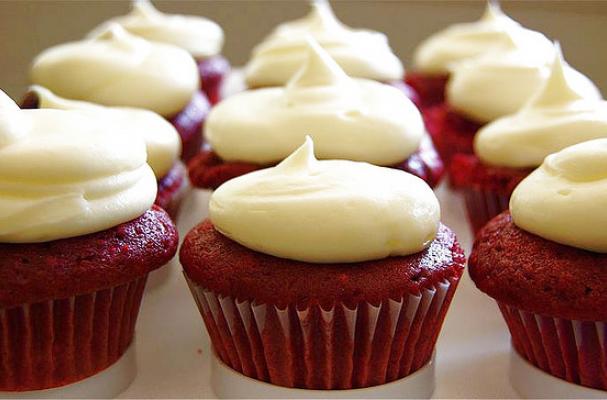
(108,383)
(229,384)
(532,383)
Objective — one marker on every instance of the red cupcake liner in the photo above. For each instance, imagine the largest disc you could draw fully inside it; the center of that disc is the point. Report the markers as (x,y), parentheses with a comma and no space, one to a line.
(58,342)
(189,124)
(430,89)
(482,205)
(213,71)
(344,347)
(575,351)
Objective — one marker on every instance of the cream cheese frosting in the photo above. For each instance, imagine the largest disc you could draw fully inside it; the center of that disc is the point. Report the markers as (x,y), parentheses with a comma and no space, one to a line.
(162,140)
(558,116)
(361,53)
(496,85)
(327,211)
(200,36)
(565,199)
(352,119)
(495,32)
(67,173)
(116,68)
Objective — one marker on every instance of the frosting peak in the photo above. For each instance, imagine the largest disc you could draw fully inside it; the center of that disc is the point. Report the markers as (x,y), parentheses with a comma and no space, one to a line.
(565,199)
(115,68)
(327,211)
(6,103)
(348,118)
(201,37)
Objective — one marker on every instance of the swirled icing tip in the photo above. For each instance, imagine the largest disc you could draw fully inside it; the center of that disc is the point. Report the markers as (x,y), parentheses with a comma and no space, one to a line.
(493,11)
(558,89)
(321,15)
(6,103)
(318,70)
(145,9)
(301,160)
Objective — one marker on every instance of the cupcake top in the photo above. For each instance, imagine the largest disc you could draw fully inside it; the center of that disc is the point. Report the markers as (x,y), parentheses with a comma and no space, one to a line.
(352,119)
(559,115)
(496,85)
(565,199)
(361,53)
(116,68)
(67,174)
(327,211)
(494,33)
(200,36)
(162,140)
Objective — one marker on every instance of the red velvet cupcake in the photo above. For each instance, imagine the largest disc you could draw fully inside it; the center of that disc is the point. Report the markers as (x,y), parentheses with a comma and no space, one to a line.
(349,118)
(162,141)
(296,306)
(116,68)
(508,149)
(79,235)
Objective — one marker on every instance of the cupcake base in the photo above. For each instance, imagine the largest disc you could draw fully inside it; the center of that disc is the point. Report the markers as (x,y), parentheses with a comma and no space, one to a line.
(531,382)
(107,384)
(229,384)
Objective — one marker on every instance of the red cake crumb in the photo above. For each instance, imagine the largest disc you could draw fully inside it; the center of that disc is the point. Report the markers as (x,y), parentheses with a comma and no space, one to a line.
(171,189)
(468,170)
(207,170)
(430,89)
(228,268)
(525,271)
(36,272)
(189,123)
(213,71)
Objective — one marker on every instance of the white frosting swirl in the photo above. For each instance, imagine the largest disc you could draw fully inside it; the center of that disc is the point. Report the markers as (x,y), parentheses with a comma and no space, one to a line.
(348,118)
(494,33)
(565,199)
(200,36)
(67,173)
(361,53)
(327,211)
(119,69)
(497,85)
(558,116)
(161,139)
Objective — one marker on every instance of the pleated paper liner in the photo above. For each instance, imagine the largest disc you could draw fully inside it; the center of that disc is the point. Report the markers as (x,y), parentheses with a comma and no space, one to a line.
(572,350)
(58,342)
(483,205)
(314,348)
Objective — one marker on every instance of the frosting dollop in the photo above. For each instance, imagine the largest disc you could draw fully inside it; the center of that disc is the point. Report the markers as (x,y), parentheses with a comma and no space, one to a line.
(352,119)
(496,85)
(200,36)
(565,199)
(361,53)
(327,211)
(162,140)
(557,116)
(495,32)
(68,173)
(116,68)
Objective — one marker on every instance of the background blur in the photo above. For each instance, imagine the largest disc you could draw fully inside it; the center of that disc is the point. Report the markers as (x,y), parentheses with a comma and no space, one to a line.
(29,26)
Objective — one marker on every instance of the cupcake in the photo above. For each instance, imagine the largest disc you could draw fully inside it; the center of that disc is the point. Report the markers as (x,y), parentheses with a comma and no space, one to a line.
(493,34)
(508,149)
(79,235)
(323,274)
(360,53)
(486,88)
(348,118)
(199,36)
(161,139)
(118,69)
(545,264)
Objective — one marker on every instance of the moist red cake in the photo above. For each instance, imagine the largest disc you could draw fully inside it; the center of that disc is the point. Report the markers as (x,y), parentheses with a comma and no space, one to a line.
(207,170)
(68,307)
(172,189)
(430,89)
(189,124)
(487,189)
(292,323)
(553,298)
(213,72)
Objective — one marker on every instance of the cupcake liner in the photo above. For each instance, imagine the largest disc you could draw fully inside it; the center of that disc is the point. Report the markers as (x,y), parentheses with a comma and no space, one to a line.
(482,205)
(575,351)
(58,342)
(343,347)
